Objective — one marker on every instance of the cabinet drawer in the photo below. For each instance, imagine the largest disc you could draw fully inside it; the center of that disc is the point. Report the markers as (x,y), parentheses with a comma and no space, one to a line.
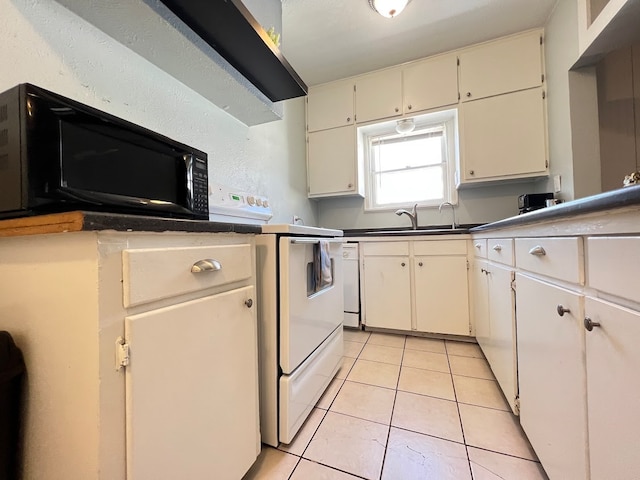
(480,248)
(500,250)
(614,265)
(559,258)
(440,247)
(385,248)
(156,273)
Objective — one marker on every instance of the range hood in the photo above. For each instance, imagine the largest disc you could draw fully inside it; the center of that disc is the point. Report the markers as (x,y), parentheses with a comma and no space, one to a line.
(230,29)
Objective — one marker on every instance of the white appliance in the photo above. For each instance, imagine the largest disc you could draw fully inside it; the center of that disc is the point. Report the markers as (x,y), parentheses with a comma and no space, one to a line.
(351,285)
(300,338)
(300,329)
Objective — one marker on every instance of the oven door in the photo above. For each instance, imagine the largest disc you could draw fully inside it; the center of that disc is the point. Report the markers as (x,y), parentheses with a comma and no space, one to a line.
(308,315)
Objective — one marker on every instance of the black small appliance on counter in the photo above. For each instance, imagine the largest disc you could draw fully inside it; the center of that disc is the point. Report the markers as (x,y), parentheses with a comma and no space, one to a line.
(57,154)
(533,201)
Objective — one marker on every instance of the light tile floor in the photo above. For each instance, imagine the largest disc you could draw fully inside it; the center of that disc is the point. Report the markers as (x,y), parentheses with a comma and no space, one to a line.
(406,408)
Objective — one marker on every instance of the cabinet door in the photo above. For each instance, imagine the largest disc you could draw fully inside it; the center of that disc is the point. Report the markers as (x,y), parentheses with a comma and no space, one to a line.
(332,163)
(387,292)
(504,136)
(551,375)
(330,106)
(192,389)
(613,390)
(431,83)
(503,331)
(379,95)
(442,294)
(502,66)
(481,307)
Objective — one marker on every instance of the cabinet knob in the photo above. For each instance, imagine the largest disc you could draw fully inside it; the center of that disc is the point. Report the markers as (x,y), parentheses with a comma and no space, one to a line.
(468,94)
(397,109)
(478,246)
(206,265)
(486,272)
(472,172)
(348,119)
(589,324)
(497,247)
(248,303)
(561,310)
(350,185)
(420,264)
(408,107)
(403,264)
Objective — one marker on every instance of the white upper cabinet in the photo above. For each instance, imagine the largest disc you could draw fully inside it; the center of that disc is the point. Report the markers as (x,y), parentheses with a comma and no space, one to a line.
(504,137)
(379,95)
(332,163)
(506,65)
(330,106)
(430,83)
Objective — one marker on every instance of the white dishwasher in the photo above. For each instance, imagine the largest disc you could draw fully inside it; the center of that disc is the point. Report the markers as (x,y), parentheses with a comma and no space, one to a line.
(351,271)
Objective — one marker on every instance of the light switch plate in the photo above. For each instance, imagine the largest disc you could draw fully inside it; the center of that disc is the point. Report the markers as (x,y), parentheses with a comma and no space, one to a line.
(557,183)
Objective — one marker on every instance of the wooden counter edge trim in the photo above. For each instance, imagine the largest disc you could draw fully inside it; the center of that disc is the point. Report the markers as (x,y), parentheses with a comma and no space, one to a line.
(41,224)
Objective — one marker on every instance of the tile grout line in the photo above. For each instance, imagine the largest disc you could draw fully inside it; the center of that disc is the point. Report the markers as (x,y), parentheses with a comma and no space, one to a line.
(455,395)
(393,407)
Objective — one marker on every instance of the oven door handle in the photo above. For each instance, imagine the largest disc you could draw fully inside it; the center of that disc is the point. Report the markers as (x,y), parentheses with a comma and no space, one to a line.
(315,240)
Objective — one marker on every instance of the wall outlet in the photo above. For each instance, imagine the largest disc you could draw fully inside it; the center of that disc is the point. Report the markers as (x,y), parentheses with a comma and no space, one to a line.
(557,183)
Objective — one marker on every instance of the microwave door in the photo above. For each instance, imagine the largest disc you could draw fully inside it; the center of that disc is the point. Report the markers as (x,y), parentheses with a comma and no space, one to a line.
(101,198)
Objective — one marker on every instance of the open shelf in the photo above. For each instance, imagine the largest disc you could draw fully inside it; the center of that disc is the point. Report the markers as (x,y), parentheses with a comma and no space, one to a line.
(229,28)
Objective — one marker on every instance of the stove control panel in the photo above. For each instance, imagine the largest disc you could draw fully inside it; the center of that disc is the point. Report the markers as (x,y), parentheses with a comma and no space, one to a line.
(231,205)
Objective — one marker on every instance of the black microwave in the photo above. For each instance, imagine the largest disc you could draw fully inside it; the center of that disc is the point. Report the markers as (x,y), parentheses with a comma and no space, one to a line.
(57,154)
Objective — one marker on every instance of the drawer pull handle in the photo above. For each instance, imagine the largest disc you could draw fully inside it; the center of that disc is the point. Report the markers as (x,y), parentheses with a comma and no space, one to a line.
(478,246)
(249,303)
(589,324)
(207,265)
(537,250)
(497,248)
(561,310)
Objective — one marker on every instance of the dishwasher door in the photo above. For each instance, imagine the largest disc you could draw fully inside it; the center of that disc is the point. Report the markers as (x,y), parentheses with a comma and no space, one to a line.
(351,271)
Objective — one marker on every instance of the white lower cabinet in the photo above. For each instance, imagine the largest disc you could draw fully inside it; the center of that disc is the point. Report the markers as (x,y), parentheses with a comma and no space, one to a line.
(138,366)
(551,367)
(481,319)
(613,390)
(387,300)
(416,285)
(496,327)
(441,294)
(190,389)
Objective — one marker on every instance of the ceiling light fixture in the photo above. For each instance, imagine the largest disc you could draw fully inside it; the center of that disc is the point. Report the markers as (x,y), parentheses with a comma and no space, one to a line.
(388,8)
(405,125)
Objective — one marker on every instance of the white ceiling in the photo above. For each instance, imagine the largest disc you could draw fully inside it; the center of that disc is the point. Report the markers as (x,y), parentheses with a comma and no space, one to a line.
(326,40)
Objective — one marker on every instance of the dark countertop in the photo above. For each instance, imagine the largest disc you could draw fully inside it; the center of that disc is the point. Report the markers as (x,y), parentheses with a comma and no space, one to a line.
(395,232)
(623,197)
(95,221)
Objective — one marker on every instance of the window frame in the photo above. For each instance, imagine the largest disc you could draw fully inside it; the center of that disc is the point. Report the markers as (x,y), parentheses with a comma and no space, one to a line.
(448,119)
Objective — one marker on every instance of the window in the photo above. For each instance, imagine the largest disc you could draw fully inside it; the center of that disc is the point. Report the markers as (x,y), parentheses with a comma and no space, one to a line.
(416,167)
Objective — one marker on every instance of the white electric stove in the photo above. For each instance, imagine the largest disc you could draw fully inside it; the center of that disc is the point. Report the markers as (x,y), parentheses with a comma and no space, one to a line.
(299,322)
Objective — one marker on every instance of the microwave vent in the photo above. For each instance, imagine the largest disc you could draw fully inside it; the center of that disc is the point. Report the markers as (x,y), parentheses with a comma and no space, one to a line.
(4,137)
(3,112)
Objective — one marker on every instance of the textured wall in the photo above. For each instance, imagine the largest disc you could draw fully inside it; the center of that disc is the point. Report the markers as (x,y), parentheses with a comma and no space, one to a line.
(45,44)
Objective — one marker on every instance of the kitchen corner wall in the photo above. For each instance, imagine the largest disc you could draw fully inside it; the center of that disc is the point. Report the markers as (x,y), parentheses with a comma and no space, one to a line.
(45,44)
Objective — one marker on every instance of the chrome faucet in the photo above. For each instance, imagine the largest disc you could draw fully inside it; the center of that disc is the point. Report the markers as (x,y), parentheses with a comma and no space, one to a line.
(453,211)
(413,215)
